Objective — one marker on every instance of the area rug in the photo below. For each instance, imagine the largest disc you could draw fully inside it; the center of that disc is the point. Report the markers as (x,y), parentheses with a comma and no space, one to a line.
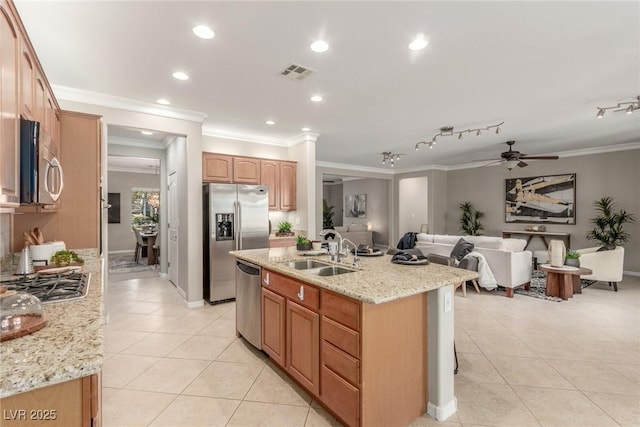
(538,284)
(124,263)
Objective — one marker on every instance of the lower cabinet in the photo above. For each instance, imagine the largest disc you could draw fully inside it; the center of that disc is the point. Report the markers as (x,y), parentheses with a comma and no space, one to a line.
(365,363)
(74,403)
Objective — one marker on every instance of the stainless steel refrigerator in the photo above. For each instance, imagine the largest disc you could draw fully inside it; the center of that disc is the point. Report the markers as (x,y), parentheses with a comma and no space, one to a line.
(236,217)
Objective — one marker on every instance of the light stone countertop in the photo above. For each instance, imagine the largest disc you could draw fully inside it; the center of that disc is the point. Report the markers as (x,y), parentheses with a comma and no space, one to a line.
(70,346)
(377,280)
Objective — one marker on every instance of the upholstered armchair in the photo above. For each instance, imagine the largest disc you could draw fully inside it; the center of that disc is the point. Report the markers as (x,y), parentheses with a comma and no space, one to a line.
(607,266)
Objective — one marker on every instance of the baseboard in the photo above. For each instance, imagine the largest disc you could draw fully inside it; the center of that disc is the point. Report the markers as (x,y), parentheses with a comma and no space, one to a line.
(124,251)
(194,304)
(631,273)
(441,413)
(164,275)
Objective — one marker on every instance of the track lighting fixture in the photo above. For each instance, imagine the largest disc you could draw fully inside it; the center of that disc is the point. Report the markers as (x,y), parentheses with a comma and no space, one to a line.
(448,131)
(620,106)
(390,157)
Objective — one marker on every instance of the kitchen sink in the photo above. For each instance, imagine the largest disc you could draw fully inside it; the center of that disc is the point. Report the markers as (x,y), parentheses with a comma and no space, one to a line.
(305,264)
(330,270)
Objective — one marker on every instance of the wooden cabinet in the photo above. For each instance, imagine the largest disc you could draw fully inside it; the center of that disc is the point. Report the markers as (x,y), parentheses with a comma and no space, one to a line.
(9,110)
(302,343)
(280,176)
(52,123)
(217,168)
(74,403)
(39,100)
(273,325)
(246,170)
(27,80)
(287,186)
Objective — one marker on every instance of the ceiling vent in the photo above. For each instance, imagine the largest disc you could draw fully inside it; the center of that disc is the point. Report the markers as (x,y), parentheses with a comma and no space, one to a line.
(296,72)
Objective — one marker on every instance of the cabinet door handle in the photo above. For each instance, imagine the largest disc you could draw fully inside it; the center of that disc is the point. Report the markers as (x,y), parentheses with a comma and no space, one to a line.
(301,293)
(266,279)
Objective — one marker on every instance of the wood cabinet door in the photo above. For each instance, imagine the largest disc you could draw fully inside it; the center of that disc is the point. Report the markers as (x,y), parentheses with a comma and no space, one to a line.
(53,125)
(270,176)
(27,79)
(273,326)
(217,168)
(40,101)
(246,170)
(287,186)
(9,111)
(303,346)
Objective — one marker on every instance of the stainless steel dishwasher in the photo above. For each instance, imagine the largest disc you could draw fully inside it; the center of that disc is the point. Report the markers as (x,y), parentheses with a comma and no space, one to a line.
(248,302)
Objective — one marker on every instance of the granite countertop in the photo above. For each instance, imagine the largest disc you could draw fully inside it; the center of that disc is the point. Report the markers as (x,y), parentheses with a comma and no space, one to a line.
(69,347)
(376,280)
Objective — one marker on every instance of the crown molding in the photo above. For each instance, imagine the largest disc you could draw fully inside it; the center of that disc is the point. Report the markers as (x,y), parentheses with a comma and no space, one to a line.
(353,167)
(101,99)
(131,170)
(116,140)
(243,136)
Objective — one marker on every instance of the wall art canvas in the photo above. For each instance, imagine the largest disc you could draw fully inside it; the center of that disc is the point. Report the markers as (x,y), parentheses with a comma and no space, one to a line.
(355,206)
(541,199)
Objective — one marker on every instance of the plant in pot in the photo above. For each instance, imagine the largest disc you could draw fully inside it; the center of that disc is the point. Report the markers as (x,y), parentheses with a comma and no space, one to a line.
(572,258)
(327,214)
(608,226)
(284,229)
(302,243)
(470,219)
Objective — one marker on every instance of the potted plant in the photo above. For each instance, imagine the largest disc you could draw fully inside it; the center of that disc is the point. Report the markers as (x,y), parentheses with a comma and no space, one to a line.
(470,219)
(284,229)
(572,258)
(327,214)
(609,225)
(302,243)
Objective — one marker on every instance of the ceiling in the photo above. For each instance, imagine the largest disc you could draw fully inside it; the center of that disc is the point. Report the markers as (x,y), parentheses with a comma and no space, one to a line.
(541,67)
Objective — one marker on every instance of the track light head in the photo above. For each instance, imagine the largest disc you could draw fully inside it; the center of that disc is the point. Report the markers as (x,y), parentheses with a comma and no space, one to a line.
(600,113)
(629,109)
(478,132)
(497,130)
(460,135)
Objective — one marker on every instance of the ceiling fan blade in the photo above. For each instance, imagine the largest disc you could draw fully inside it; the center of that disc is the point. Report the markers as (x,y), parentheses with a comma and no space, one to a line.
(492,162)
(522,164)
(540,157)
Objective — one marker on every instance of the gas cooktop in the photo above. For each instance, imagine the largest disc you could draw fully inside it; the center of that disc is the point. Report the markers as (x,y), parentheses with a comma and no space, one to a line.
(52,288)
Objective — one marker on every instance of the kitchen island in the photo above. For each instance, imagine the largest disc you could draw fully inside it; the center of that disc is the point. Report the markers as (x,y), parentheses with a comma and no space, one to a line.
(53,375)
(373,345)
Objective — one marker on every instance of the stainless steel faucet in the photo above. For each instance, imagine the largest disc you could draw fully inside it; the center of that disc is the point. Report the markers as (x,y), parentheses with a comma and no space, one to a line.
(342,251)
(356,258)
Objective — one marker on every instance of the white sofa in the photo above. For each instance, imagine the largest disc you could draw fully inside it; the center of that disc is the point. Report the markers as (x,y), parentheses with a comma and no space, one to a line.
(356,233)
(509,262)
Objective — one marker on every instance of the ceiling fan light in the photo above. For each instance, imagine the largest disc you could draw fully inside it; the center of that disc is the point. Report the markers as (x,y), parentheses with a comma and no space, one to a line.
(510,164)
(600,113)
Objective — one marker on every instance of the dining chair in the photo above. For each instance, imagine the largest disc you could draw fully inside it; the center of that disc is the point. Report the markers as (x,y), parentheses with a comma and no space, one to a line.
(156,248)
(139,245)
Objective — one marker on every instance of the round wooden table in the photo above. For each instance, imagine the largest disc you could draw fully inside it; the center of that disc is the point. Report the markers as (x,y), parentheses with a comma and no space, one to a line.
(563,281)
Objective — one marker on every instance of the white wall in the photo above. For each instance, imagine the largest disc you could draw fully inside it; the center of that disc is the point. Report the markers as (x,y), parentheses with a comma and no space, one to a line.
(121,238)
(177,161)
(414,205)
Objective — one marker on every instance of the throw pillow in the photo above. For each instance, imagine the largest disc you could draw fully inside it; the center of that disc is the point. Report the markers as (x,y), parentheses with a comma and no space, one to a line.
(461,249)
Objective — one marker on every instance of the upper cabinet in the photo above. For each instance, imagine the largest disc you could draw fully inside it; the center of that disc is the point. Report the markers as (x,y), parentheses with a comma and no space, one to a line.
(9,109)
(27,80)
(278,175)
(246,170)
(217,168)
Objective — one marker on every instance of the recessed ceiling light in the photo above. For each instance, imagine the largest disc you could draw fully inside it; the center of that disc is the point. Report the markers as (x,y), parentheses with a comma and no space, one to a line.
(146,132)
(163,101)
(316,98)
(180,75)
(319,46)
(305,129)
(418,44)
(203,32)
(269,122)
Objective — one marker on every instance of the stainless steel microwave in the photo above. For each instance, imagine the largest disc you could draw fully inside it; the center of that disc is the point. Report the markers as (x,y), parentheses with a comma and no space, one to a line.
(41,176)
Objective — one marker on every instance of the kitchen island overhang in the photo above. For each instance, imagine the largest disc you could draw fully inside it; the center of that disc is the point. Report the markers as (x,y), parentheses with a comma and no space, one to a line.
(383,289)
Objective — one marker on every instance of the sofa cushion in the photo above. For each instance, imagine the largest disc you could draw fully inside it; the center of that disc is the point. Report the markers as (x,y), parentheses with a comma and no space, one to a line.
(461,248)
(357,227)
(424,237)
(445,239)
(513,245)
(487,242)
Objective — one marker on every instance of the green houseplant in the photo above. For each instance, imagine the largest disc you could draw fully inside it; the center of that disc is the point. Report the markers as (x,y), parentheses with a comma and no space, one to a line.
(284,229)
(608,225)
(327,214)
(572,258)
(470,219)
(302,243)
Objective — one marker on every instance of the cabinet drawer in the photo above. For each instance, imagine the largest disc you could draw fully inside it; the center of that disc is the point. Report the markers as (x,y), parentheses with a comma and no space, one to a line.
(341,363)
(300,292)
(340,336)
(341,309)
(340,396)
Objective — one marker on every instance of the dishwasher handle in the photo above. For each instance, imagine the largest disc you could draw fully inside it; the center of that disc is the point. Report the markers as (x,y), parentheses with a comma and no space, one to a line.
(248,269)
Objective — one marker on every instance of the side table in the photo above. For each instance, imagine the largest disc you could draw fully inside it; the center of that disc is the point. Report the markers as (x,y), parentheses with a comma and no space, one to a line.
(563,281)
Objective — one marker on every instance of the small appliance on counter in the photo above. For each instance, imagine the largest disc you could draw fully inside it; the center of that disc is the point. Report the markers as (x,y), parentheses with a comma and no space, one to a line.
(41,254)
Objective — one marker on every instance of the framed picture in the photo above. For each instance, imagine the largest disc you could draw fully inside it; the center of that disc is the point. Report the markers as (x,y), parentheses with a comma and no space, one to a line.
(355,206)
(541,199)
(114,211)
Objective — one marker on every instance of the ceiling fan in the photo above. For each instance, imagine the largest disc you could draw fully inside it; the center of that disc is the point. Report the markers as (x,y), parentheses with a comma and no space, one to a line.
(513,158)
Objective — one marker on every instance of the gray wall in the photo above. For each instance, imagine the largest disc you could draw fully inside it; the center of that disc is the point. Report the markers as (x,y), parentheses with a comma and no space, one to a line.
(120,235)
(615,174)
(377,191)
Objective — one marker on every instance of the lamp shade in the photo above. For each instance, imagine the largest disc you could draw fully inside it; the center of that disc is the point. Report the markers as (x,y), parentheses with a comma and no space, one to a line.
(510,164)
(424,228)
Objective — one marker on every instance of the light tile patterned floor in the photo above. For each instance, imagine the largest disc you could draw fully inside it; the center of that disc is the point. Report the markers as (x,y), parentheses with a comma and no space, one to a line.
(523,362)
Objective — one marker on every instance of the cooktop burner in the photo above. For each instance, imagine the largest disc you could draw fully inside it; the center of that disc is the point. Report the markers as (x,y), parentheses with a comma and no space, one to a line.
(52,288)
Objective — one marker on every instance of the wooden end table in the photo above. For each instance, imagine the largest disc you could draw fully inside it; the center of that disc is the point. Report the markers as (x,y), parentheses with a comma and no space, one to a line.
(563,281)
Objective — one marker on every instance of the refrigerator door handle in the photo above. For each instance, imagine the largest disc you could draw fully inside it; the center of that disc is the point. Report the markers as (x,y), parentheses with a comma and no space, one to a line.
(239,242)
(235,225)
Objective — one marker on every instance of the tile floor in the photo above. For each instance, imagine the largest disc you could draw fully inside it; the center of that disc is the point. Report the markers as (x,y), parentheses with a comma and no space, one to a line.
(523,362)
